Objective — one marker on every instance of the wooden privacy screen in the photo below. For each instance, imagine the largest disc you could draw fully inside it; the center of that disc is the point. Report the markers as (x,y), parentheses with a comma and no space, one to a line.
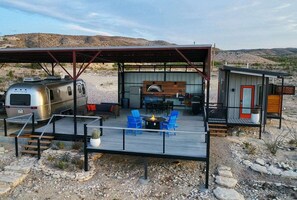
(168,88)
(274,104)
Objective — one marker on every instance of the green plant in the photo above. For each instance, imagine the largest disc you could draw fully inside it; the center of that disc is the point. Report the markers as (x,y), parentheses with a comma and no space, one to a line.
(10,74)
(249,147)
(96,134)
(50,158)
(61,164)
(60,145)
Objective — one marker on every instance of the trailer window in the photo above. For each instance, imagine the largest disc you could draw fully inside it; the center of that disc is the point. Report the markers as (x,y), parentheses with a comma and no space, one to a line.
(69,90)
(51,95)
(79,88)
(20,99)
(83,89)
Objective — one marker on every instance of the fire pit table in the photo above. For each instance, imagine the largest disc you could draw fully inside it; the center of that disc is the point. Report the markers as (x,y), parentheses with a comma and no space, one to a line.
(153,122)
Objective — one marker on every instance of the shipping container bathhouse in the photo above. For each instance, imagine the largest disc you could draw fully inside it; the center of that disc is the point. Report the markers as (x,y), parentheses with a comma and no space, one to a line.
(247,97)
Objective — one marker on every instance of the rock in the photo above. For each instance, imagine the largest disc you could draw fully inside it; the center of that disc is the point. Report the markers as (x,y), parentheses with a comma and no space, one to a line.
(225,173)
(260,161)
(259,168)
(240,133)
(247,163)
(290,174)
(4,187)
(227,194)
(2,150)
(19,169)
(12,178)
(274,170)
(223,167)
(227,182)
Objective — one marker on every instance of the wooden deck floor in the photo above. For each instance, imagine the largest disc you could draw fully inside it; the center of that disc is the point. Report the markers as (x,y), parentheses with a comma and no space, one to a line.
(238,122)
(189,142)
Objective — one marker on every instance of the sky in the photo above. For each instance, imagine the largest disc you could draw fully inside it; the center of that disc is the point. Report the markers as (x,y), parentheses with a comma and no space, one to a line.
(229,24)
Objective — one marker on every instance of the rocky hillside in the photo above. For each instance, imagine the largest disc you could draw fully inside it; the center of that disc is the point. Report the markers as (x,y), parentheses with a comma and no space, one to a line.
(56,40)
(251,56)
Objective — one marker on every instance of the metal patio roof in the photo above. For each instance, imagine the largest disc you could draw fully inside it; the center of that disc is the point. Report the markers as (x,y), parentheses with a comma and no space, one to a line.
(120,54)
(258,72)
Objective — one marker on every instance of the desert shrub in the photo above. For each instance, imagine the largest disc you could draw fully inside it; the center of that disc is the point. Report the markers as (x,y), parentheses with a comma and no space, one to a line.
(50,158)
(78,162)
(77,145)
(60,145)
(10,74)
(293,137)
(66,157)
(249,147)
(274,144)
(61,164)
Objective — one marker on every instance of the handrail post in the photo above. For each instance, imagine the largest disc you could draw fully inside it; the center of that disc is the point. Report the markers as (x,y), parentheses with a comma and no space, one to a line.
(101,124)
(54,125)
(16,146)
(124,139)
(5,127)
(85,148)
(38,148)
(33,123)
(163,141)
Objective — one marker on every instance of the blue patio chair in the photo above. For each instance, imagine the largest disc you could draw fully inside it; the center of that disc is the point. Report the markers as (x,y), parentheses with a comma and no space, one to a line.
(174,113)
(133,123)
(137,116)
(169,125)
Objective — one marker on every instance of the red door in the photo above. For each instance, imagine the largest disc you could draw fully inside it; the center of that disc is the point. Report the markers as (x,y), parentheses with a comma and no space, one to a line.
(247,96)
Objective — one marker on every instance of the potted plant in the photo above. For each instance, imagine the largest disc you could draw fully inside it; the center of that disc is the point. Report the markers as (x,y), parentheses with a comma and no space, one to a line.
(255,115)
(95,139)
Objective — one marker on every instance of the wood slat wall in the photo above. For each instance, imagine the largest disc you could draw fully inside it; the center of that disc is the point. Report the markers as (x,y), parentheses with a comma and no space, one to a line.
(169,88)
(274,104)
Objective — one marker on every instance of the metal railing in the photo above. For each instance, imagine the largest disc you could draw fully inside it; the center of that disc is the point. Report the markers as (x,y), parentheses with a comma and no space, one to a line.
(21,131)
(124,131)
(53,120)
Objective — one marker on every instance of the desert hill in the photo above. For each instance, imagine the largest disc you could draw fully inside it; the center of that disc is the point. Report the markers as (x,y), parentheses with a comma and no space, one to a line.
(251,56)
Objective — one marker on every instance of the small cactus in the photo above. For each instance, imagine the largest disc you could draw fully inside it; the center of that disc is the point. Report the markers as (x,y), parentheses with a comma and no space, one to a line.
(96,134)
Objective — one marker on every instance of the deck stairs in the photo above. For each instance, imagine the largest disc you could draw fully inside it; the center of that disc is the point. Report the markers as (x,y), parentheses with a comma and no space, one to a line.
(31,147)
(220,130)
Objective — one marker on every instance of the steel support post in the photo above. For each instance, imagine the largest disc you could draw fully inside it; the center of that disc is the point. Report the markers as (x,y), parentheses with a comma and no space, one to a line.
(38,148)
(281,106)
(74,93)
(101,124)
(5,127)
(86,165)
(261,109)
(16,146)
(33,123)
(227,92)
(124,139)
(207,160)
(163,142)
(145,168)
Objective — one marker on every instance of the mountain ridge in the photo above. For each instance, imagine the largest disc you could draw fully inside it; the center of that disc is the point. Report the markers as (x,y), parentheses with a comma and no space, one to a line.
(241,56)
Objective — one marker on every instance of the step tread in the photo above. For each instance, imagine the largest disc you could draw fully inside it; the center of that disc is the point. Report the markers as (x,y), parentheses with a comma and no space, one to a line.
(219,134)
(29,152)
(218,129)
(218,125)
(35,146)
(43,137)
(41,141)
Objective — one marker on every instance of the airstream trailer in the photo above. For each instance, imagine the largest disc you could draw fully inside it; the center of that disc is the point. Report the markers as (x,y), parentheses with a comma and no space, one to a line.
(44,97)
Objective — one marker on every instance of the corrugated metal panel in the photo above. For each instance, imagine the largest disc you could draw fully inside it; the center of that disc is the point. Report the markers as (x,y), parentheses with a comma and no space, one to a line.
(236,81)
(193,80)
